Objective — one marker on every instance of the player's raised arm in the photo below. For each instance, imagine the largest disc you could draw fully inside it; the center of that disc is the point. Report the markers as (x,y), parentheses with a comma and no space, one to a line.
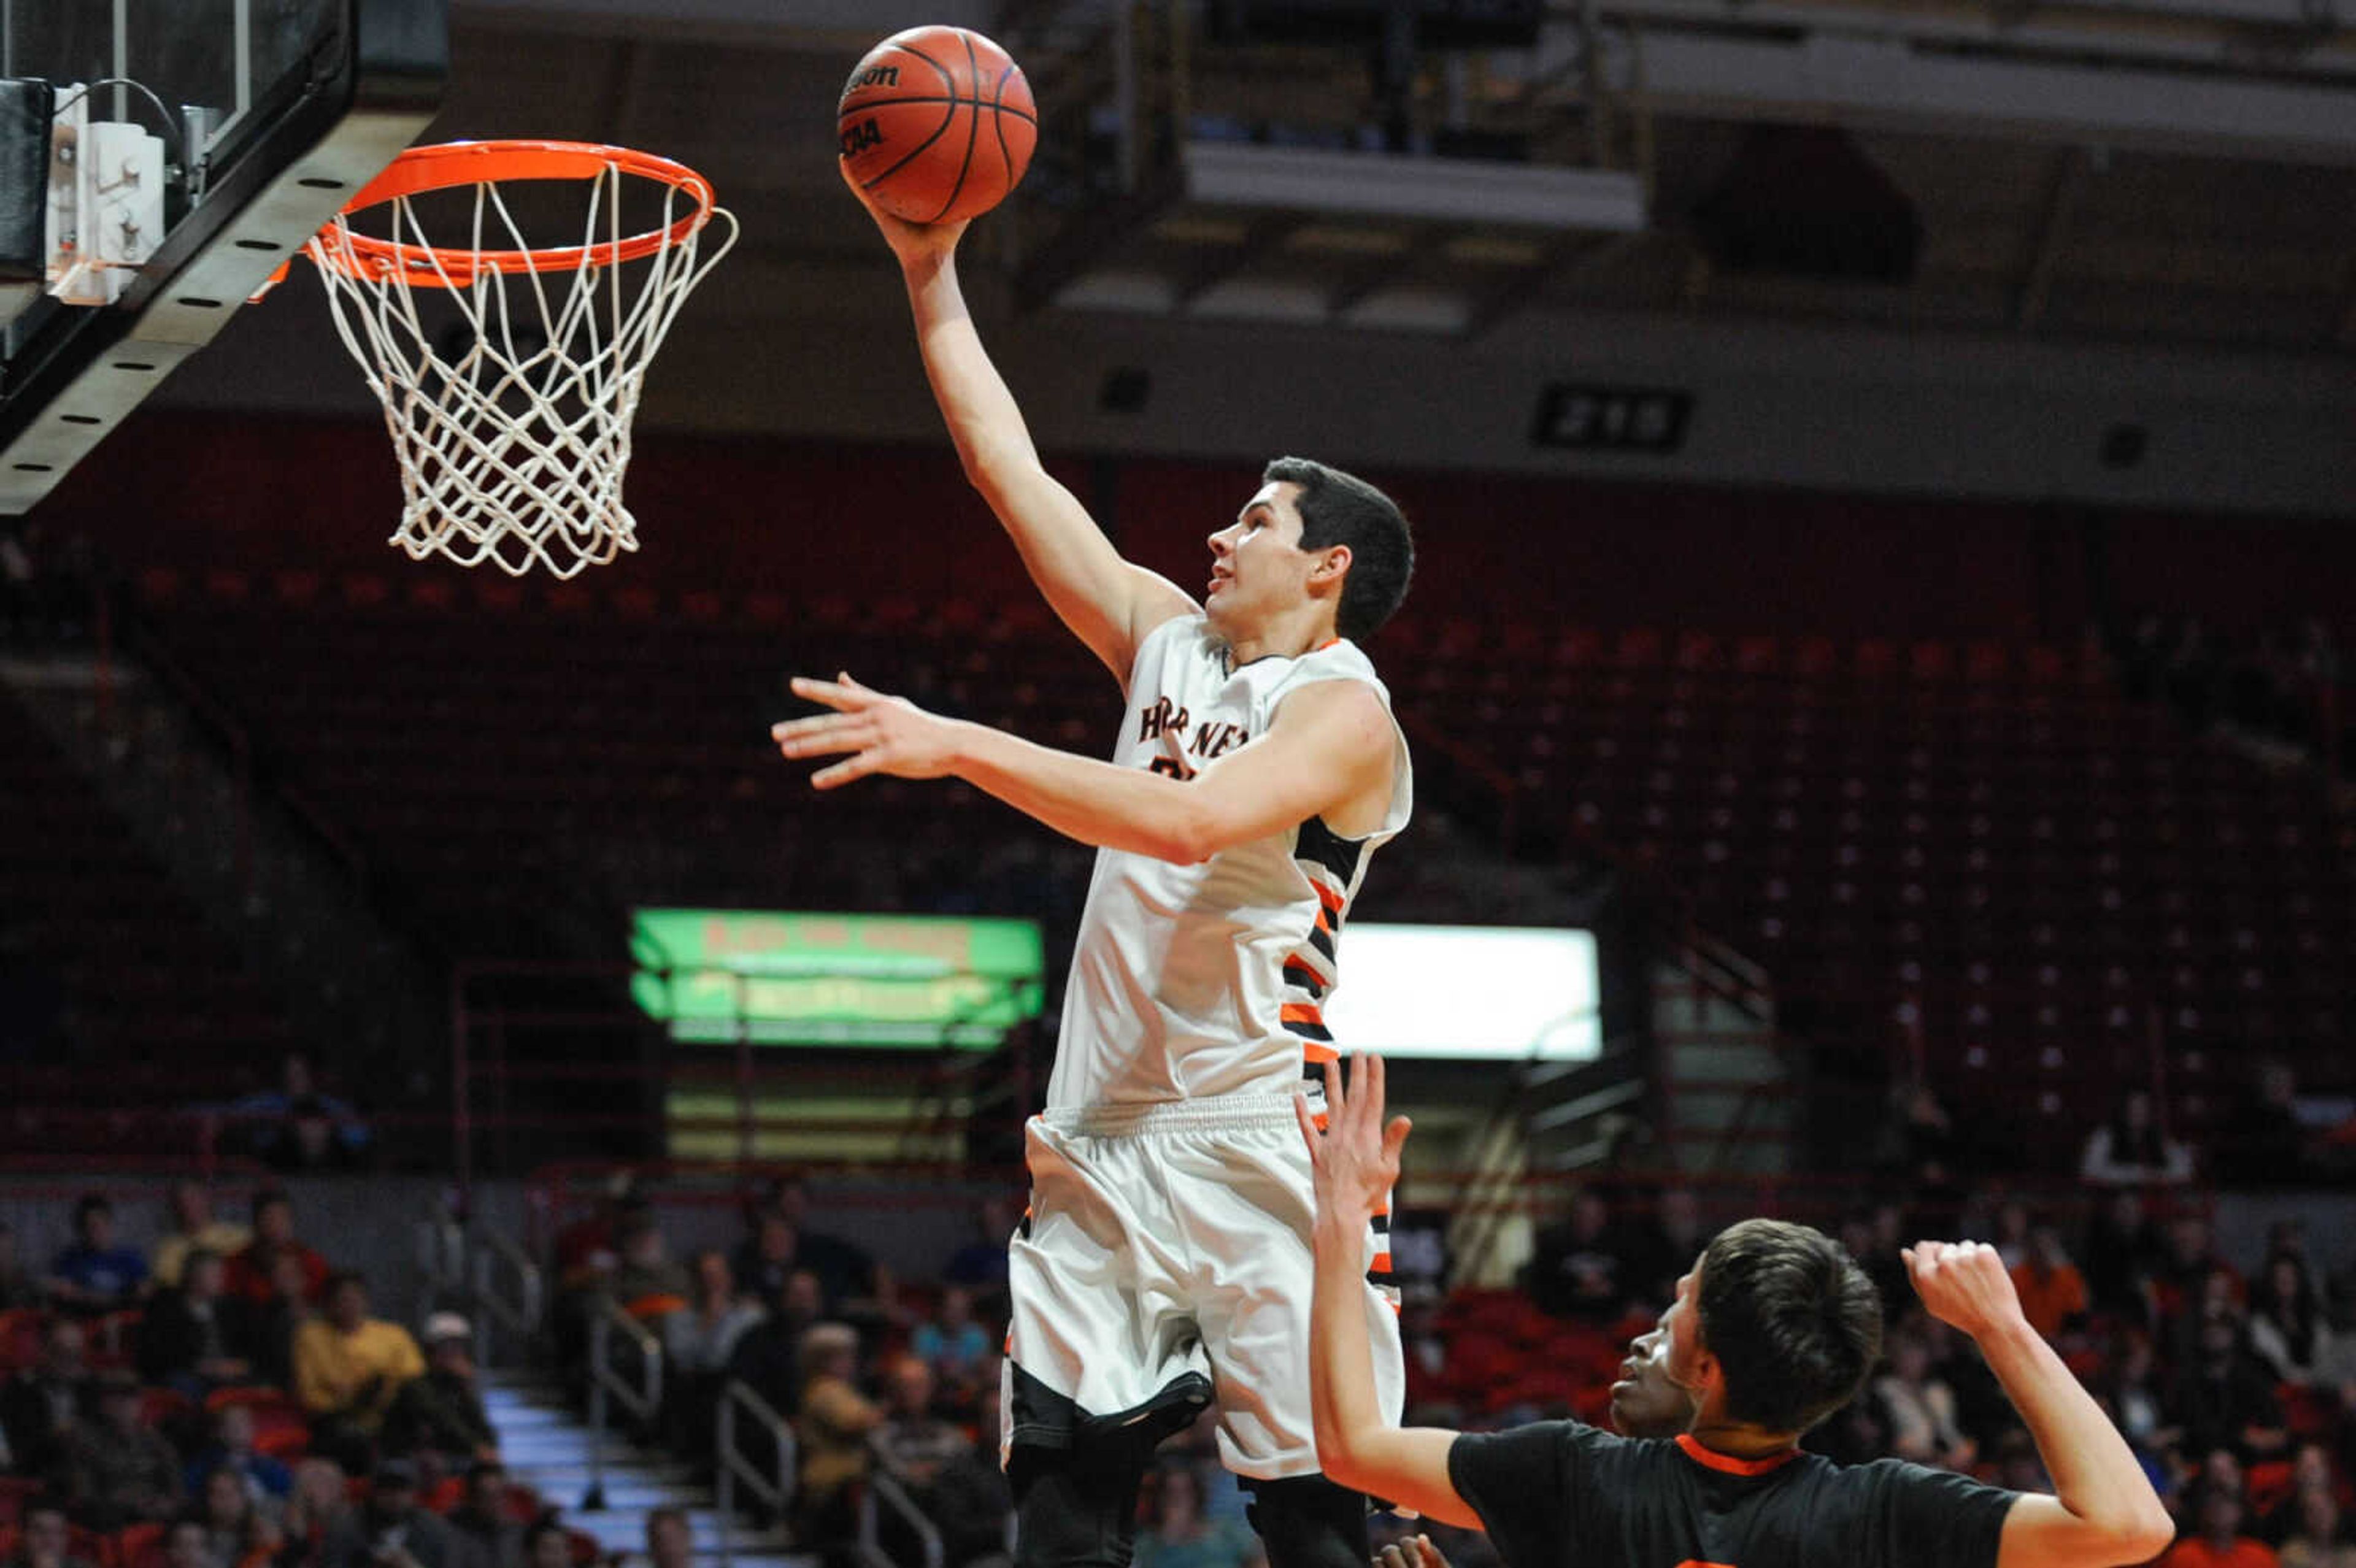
(1332,746)
(1356,1160)
(2105,1512)
(1109,603)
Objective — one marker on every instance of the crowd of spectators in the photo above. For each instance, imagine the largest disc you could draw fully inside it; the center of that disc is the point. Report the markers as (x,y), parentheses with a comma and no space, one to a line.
(228,1398)
(261,1415)
(879,1376)
(874,1374)
(2238,1393)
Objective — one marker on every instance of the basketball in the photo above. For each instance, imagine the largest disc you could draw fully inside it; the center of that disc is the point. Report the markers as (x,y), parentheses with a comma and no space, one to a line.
(937,124)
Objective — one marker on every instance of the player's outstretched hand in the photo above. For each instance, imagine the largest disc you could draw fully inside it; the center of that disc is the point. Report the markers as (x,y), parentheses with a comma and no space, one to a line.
(1963,1284)
(1414,1551)
(1356,1159)
(883,734)
(911,243)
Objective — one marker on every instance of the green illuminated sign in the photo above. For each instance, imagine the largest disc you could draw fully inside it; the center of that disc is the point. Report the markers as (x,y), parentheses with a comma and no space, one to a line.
(835,979)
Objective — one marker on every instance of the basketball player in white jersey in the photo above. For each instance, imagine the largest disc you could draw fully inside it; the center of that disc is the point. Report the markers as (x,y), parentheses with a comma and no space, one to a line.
(1165,1261)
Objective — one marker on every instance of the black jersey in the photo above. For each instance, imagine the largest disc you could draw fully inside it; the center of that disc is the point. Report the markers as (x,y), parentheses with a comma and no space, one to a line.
(1564,1495)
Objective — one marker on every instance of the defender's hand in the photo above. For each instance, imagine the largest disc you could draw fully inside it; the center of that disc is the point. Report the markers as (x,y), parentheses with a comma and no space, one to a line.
(915,244)
(883,734)
(1356,1159)
(1415,1552)
(1963,1284)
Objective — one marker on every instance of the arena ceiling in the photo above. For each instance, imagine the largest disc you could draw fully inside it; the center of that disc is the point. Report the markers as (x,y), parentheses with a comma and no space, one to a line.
(2169,172)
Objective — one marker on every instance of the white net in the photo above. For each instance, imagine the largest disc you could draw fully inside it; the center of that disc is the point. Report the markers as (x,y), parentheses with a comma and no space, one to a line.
(509,383)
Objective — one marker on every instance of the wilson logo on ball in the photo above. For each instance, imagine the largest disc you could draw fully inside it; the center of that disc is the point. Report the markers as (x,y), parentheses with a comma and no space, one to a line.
(937,124)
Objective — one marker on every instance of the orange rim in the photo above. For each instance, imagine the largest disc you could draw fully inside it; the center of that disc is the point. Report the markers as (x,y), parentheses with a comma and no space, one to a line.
(453,165)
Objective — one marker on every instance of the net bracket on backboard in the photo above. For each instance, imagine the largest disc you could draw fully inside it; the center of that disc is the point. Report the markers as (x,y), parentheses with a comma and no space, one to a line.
(79,372)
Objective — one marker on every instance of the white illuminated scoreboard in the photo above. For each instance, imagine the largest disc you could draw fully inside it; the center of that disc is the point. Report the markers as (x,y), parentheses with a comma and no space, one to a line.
(1468,993)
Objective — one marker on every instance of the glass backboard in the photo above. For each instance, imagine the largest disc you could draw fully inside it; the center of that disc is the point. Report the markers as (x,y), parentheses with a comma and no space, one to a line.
(185,149)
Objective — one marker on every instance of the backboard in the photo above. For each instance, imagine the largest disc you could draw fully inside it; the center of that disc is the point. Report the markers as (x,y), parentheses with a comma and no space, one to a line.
(183,149)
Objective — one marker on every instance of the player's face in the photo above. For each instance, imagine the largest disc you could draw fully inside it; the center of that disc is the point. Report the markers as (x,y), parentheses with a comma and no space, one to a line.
(1645,1402)
(1258,566)
(1681,1328)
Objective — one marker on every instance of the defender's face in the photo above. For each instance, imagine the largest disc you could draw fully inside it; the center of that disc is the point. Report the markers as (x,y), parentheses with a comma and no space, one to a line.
(1256,563)
(1645,1402)
(1681,1330)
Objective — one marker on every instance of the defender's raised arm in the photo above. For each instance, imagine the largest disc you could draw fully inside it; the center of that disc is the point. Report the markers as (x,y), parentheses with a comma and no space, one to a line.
(2104,1510)
(1109,603)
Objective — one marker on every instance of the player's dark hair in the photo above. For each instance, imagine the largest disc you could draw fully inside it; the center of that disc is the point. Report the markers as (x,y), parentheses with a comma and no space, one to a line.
(1342,508)
(1794,1321)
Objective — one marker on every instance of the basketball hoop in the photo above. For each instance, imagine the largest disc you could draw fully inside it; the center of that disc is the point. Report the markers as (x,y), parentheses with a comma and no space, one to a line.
(509,395)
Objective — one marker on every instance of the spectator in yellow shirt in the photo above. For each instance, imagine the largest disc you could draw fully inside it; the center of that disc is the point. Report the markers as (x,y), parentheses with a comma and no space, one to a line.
(195,1227)
(834,1424)
(347,1368)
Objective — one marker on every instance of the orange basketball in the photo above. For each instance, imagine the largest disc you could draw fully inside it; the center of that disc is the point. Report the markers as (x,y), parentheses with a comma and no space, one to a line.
(937,124)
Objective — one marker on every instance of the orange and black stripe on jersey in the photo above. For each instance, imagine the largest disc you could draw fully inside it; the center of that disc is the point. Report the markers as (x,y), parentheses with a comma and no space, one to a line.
(1332,864)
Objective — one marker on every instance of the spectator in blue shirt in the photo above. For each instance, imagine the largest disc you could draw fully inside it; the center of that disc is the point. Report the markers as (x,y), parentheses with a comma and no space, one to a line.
(957,1349)
(296,1127)
(266,1479)
(94,1275)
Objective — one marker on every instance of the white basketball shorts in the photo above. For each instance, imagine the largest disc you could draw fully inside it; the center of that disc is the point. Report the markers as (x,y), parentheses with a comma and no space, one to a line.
(1165,1262)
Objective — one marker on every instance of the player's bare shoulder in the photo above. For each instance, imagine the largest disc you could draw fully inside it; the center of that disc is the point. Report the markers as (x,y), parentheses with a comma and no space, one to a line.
(1348,727)
(1154,602)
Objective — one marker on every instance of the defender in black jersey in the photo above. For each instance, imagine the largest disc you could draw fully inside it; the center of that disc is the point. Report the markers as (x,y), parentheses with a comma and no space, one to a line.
(1774,1329)
(1644,1403)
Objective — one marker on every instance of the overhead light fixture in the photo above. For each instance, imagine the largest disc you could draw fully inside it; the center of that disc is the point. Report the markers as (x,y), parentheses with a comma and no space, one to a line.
(1391,185)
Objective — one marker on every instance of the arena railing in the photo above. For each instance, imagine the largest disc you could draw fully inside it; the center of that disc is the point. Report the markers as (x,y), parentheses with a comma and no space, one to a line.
(459,1266)
(774,1492)
(441,1257)
(609,1385)
(884,1491)
(518,1315)
(1500,1150)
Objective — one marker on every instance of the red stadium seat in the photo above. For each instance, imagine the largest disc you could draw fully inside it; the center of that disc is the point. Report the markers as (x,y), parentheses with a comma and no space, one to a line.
(2268,1484)
(2311,1415)
(20,1337)
(139,1546)
(113,1340)
(15,1491)
(285,1444)
(162,1407)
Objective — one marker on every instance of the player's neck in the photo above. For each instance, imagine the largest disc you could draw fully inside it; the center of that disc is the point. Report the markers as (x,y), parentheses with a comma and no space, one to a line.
(1286,636)
(1741,1439)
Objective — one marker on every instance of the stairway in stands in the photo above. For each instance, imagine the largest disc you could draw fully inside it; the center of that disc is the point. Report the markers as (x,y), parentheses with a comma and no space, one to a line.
(547,1448)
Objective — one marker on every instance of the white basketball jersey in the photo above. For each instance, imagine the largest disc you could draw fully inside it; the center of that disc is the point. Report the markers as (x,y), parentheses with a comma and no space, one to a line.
(1190,981)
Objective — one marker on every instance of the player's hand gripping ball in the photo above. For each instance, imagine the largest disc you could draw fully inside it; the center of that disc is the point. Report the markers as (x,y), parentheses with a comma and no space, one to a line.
(937,124)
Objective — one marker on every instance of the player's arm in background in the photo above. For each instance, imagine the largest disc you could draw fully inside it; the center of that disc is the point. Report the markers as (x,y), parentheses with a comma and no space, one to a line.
(1331,744)
(1356,1165)
(1109,603)
(2104,1512)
